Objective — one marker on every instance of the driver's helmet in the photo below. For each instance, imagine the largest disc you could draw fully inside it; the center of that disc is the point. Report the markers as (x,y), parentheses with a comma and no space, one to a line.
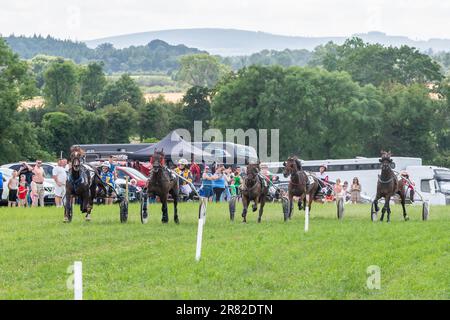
(106,164)
(324,166)
(183,162)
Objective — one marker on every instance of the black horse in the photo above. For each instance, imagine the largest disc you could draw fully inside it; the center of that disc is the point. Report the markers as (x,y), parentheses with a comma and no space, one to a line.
(161,183)
(387,186)
(254,189)
(82,183)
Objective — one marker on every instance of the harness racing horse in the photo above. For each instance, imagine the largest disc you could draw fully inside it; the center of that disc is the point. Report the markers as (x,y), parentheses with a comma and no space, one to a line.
(82,182)
(387,186)
(300,185)
(161,183)
(254,189)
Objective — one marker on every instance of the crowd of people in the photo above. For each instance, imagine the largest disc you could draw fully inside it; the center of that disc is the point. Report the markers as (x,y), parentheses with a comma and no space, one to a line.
(340,190)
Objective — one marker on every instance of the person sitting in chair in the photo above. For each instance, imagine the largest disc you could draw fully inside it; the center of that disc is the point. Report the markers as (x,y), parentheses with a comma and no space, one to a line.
(183,171)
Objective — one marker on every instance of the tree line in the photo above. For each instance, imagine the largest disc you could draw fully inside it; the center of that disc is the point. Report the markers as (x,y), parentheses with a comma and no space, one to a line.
(357,99)
(159,56)
(156,56)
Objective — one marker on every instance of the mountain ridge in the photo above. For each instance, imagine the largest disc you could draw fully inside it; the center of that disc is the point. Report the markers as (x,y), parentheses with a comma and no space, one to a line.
(233,42)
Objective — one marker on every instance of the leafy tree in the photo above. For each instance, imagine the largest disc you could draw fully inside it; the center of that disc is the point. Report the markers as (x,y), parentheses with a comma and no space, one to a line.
(120,122)
(59,129)
(201,70)
(197,107)
(376,64)
(92,84)
(154,118)
(123,90)
(15,80)
(61,83)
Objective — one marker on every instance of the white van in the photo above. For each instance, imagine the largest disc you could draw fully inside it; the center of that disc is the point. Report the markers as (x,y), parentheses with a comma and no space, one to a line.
(433,183)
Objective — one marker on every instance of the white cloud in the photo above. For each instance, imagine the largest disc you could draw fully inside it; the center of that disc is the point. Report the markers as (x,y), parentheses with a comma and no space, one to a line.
(97,18)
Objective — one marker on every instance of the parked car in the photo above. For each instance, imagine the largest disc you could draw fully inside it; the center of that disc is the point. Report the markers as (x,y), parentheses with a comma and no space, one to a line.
(131,173)
(49,183)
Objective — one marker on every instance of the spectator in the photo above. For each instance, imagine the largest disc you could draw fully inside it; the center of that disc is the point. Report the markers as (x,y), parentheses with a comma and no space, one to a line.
(218,182)
(23,191)
(346,191)
(59,174)
(238,181)
(233,190)
(34,194)
(38,172)
(13,185)
(338,190)
(207,184)
(355,191)
(1,186)
(27,170)
(196,174)
(183,171)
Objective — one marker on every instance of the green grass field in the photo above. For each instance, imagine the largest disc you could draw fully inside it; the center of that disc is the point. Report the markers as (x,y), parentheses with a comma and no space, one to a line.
(271,260)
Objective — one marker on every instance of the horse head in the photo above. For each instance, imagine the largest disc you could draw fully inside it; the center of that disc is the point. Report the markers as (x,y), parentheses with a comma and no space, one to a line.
(76,154)
(253,170)
(157,160)
(385,160)
(291,166)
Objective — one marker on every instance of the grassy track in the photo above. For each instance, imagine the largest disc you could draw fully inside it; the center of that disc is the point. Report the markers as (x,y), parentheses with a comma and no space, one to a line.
(272,260)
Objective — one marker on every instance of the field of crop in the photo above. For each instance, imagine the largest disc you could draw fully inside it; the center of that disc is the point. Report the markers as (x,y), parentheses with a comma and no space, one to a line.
(271,260)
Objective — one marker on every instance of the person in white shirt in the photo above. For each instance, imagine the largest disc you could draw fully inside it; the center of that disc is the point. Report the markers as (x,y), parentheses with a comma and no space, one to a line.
(60,176)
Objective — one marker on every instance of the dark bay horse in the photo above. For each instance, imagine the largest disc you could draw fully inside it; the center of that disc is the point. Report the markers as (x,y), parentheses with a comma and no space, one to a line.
(161,183)
(82,182)
(300,185)
(254,189)
(388,186)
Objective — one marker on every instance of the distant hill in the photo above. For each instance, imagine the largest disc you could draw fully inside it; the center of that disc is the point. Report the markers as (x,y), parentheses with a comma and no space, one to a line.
(231,42)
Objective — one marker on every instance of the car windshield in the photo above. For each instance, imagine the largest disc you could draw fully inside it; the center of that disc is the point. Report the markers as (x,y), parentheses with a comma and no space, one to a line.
(444,185)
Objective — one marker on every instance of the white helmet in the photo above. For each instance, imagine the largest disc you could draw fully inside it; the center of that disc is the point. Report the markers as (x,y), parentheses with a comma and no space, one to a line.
(183,161)
(106,165)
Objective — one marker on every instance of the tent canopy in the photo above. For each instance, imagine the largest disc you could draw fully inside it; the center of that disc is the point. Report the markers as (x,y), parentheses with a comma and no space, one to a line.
(174,148)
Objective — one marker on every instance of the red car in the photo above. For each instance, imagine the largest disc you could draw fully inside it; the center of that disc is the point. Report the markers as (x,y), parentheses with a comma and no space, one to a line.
(131,173)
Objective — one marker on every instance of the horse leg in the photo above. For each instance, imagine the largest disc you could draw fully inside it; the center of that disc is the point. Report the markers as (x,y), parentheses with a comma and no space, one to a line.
(262,202)
(383,210)
(403,198)
(388,208)
(175,206)
(255,206)
(67,207)
(300,201)
(291,205)
(245,204)
(165,215)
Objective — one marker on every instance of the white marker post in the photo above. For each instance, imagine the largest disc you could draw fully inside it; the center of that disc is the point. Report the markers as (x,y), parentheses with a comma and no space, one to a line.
(78,280)
(201,223)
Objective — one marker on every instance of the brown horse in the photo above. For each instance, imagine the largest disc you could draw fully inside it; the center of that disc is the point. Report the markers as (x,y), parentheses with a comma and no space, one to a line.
(300,185)
(387,186)
(83,182)
(161,183)
(254,189)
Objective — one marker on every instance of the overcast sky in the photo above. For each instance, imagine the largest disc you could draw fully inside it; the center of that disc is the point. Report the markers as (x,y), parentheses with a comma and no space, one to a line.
(90,19)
